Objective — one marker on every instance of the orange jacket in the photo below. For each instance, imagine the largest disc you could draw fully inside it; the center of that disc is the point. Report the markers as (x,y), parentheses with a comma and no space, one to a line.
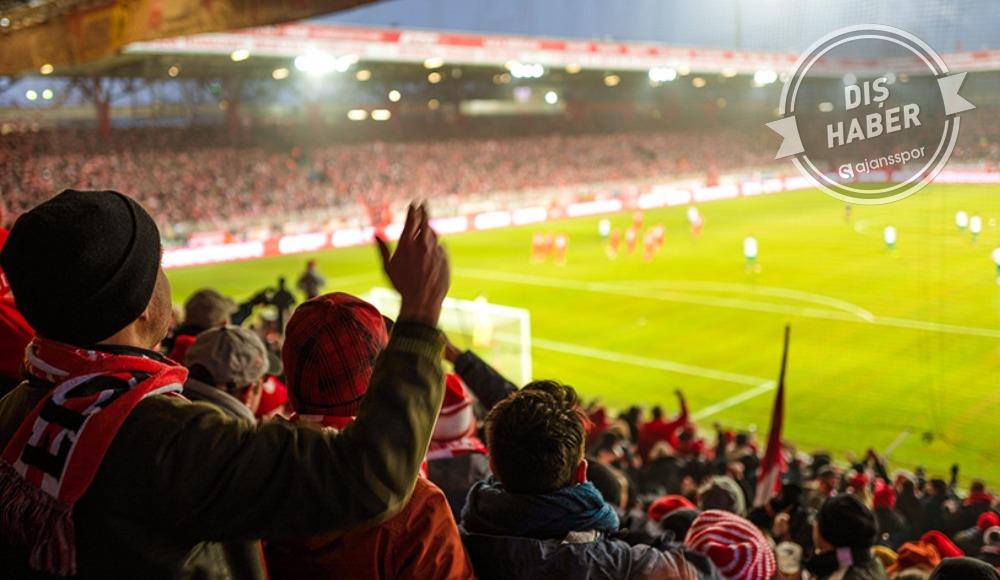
(420,542)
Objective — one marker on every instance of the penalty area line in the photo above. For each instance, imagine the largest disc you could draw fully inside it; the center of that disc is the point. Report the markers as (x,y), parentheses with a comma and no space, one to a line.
(759,385)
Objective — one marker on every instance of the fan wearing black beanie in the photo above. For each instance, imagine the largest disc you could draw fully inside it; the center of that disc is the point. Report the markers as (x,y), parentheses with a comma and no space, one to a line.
(844,533)
(105,472)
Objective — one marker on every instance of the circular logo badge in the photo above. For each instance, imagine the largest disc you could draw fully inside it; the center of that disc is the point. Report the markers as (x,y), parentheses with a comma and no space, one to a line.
(870,114)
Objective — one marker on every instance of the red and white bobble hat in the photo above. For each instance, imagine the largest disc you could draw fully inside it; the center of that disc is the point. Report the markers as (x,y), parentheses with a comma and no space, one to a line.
(736,546)
(456,419)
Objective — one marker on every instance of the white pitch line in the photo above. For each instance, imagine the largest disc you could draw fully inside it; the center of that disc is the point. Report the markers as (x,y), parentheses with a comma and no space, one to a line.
(737,303)
(759,385)
(769,291)
(641,361)
(733,401)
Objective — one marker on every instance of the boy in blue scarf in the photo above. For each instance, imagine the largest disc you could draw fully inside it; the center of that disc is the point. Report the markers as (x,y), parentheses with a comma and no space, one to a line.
(539,517)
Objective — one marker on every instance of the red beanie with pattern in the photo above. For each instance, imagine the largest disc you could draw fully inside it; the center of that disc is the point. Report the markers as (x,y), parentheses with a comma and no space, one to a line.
(736,546)
(331,344)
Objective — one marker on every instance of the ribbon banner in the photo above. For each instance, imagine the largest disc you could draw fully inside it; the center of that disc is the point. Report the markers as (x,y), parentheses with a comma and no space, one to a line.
(874,137)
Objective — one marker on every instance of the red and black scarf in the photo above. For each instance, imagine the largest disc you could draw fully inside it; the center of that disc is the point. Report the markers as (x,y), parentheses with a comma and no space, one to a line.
(56,452)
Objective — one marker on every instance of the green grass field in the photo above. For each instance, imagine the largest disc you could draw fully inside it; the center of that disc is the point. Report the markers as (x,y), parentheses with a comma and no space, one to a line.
(883,342)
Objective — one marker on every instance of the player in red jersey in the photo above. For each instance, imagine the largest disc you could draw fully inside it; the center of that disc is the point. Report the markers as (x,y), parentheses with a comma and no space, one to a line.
(631,237)
(614,241)
(541,243)
(559,247)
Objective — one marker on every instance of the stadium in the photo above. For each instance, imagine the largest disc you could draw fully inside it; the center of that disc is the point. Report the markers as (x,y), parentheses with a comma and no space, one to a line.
(601,196)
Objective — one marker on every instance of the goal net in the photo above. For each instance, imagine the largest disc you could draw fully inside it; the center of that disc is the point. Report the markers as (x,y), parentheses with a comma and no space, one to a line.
(500,335)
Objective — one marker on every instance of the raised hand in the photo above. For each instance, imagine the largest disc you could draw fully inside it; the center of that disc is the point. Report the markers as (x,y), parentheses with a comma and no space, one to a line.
(418,269)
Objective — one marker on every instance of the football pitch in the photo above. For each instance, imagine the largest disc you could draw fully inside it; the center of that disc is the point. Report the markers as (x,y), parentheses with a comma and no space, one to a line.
(891,348)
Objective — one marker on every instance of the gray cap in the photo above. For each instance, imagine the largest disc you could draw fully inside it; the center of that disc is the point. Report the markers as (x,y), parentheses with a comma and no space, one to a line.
(207,308)
(231,354)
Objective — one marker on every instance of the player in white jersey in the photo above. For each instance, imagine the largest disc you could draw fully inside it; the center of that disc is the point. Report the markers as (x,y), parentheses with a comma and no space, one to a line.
(695,220)
(750,255)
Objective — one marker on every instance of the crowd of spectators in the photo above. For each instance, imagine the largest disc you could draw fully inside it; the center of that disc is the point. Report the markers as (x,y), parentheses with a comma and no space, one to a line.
(336,445)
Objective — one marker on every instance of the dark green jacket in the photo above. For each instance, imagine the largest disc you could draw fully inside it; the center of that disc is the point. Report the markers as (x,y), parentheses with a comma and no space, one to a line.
(184,490)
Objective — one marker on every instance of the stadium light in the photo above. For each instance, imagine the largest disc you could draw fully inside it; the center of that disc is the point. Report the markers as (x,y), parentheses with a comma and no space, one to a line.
(173,71)
(381,115)
(433,104)
(434,78)
(764,77)
(30,94)
(46,69)
(321,63)
(573,68)
(434,62)
(363,75)
(395,95)
(47,94)
(551,97)
(612,80)
(520,70)
(662,74)
(280,74)
(357,114)
(4,22)
(239,55)
(698,82)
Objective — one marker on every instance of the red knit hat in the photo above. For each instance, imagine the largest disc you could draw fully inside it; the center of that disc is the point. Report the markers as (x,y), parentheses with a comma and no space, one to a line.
(273,394)
(331,343)
(885,496)
(455,420)
(944,545)
(663,506)
(987,520)
(735,545)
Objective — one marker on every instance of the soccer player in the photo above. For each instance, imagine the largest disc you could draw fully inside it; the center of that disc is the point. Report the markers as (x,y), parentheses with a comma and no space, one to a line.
(540,244)
(962,220)
(889,237)
(649,242)
(750,254)
(975,227)
(482,323)
(695,220)
(604,227)
(631,237)
(637,218)
(560,245)
(658,235)
(614,240)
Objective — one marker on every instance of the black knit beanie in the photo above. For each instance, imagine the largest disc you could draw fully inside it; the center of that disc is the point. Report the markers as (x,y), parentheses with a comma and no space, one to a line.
(846,522)
(82,265)
(964,569)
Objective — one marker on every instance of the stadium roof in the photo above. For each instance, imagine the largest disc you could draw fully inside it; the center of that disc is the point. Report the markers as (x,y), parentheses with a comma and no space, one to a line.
(253,53)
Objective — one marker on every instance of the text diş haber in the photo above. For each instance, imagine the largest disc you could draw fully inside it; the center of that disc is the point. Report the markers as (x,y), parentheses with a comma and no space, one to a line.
(890,120)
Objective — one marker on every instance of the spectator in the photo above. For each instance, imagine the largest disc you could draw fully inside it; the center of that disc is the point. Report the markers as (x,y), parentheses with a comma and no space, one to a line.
(273,400)
(155,484)
(15,334)
(205,309)
(539,517)
(658,429)
(934,510)
(226,366)
(666,505)
(844,533)
(964,569)
(722,493)
(891,525)
(736,547)
(331,345)
(977,503)
(311,282)
(456,458)
(990,552)
(914,556)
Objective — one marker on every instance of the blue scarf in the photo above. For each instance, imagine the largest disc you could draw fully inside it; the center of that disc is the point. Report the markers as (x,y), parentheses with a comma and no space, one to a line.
(576,508)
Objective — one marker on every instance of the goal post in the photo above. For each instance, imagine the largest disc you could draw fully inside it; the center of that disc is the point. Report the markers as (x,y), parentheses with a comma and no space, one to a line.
(499,334)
